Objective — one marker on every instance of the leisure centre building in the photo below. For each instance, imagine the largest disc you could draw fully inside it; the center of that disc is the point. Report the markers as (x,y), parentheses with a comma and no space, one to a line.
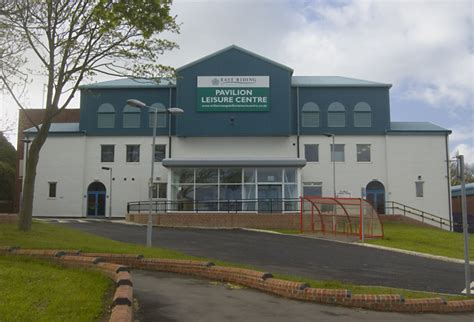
(250,130)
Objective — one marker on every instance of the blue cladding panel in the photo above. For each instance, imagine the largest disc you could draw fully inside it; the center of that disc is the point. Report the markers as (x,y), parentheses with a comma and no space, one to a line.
(234,62)
(91,99)
(377,98)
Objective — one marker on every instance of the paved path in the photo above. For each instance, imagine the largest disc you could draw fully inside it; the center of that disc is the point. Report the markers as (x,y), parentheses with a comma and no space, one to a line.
(171,297)
(313,258)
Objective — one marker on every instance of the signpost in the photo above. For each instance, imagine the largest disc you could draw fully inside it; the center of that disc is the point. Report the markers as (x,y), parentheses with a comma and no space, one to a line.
(233,94)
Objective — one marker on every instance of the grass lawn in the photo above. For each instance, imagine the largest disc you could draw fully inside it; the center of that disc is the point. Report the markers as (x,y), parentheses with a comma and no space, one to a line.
(422,239)
(51,236)
(37,290)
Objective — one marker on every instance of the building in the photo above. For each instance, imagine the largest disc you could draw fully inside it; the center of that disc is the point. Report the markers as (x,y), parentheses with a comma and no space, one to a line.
(457,207)
(250,131)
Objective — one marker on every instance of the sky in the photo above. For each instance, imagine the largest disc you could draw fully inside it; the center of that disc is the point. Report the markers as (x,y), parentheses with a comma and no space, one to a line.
(425,49)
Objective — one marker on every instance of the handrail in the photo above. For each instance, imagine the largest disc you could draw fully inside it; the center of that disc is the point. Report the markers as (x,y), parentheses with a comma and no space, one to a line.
(269,205)
(418,213)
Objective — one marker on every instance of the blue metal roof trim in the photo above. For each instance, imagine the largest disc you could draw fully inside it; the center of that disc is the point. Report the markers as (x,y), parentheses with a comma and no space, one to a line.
(237,48)
(456,190)
(333,81)
(131,83)
(416,127)
(57,128)
(234,163)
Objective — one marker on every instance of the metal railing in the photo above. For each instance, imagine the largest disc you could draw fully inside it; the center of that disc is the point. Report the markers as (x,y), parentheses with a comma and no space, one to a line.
(396,208)
(268,205)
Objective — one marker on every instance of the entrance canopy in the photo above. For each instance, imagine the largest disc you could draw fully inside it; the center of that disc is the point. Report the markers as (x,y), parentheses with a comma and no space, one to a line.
(274,162)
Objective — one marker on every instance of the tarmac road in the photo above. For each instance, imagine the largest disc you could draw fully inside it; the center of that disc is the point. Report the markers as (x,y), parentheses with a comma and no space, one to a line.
(305,257)
(172,297)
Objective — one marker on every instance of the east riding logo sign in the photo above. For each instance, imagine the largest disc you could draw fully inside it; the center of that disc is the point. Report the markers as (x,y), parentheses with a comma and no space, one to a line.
(233,94)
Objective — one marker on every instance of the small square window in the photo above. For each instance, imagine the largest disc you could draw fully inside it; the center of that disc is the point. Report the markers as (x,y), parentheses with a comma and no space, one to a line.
(133,153)
(160,152)
(338,154)
(311,152)
(107,153)
(159,190)
(363,152)
(52,189)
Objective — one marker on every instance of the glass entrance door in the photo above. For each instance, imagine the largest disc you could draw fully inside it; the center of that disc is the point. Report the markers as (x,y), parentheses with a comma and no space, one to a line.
(269,198)
(96,203)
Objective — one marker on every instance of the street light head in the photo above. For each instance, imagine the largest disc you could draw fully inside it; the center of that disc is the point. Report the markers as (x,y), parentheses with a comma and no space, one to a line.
(328,134)
(175,110)
(136,103)
(106,168)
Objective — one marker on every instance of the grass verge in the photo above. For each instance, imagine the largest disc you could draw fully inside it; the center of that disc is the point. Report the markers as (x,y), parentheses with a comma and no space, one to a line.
(38,290)
(429,240)
(51,236)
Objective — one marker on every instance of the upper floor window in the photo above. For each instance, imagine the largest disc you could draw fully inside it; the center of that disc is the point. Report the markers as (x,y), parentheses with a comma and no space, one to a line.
(336,115)
(310,115)
(106,116)
(131,117)
(133,153)
(107,153)
(160,152)
(337,155)
(160,116)
(363,152)
(311,152)
(362,115)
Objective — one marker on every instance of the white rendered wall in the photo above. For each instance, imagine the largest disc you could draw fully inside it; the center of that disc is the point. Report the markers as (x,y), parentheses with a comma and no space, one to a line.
(62,161)
(396,161)
(413,156)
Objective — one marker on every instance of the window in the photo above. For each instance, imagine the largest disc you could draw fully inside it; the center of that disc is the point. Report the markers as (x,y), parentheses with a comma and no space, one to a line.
(159,190)
(160,152)
(336,115)
(311,152)
(107,153)
(160,116)
(362,115)
(133,153)
(338,153)
(106,116)
(363,152)
(52,189)
(419,189)
(313,189)
(310,115)
(131,117)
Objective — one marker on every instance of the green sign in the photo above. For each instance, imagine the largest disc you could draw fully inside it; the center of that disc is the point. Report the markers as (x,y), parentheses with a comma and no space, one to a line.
(233,93)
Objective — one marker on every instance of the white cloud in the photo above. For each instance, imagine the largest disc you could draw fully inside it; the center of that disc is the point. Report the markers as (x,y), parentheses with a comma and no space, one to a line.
(466,150)
(463,133)
(427,46)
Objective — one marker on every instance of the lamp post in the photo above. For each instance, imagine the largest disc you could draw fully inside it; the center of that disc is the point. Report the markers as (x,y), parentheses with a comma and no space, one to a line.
(170,110)
(110,187)
(333,156)
(465,223)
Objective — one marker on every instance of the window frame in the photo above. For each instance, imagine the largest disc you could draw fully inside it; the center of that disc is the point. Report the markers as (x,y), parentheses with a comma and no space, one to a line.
(310,108)
(336,109)
(317,152)
(362,109)
(370,152)
(156,192)
(129,111)
(52,193)
(343,152)
(106,109)
(127,153)
(102,146)
(419,189)
(161,113)
(155,159)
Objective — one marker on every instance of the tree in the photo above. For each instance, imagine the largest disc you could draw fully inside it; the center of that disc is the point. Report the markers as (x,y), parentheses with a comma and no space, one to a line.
(73,40)
(468,173)
(7,168)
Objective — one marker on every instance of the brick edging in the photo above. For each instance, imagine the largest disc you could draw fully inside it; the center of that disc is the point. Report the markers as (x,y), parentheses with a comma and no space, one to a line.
(115,265)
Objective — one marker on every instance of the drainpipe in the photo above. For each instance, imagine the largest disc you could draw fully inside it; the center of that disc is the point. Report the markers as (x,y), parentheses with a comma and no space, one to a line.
(448,176)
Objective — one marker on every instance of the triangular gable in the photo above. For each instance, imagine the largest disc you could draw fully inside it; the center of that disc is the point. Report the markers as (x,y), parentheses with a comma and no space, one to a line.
(234,47)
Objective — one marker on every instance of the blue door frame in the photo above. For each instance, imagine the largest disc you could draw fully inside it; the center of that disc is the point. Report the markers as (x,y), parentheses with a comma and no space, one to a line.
(377,198)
